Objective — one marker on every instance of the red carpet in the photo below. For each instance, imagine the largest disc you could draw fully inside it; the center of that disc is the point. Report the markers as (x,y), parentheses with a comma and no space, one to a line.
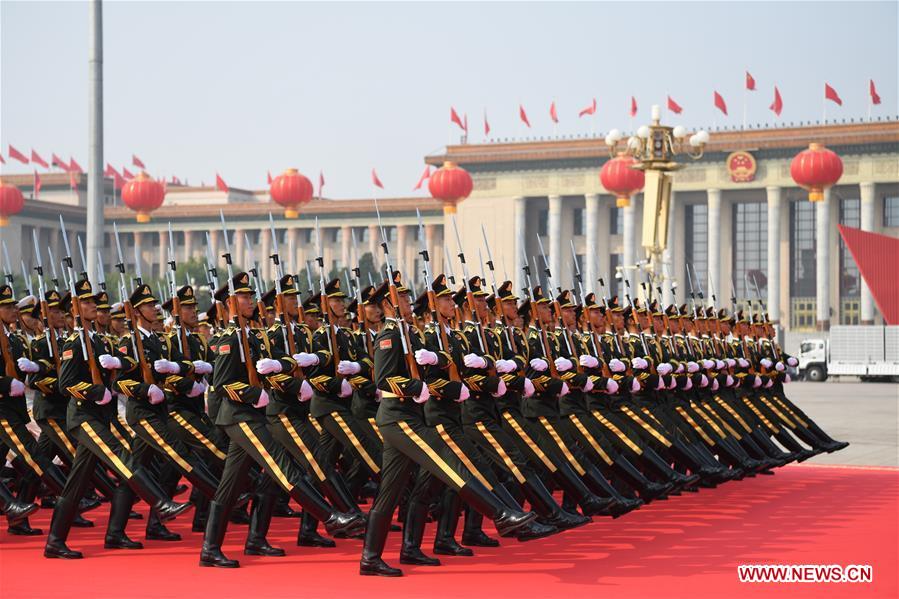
(688,546)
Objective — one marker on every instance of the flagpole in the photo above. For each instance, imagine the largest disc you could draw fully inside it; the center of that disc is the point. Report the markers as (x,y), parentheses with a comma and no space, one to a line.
(744,104)
(870,100)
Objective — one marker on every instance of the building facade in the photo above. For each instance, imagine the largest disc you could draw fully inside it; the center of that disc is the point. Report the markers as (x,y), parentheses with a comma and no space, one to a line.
(737,221)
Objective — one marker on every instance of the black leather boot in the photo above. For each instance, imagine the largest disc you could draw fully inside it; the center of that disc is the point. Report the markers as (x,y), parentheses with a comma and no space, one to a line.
(211,555)
(413,531)
(149,490)
(13,510)
(120,506)
(157,531)
(27,492)
(648,489)
(547,509)
(447,523)
(260,520)
(60,525)
(371,563)
(507,520)
(308,535)
(336,523)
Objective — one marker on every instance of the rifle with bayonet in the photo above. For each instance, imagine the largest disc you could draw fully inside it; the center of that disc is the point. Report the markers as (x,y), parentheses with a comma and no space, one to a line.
(49,332)
(181,334)
(438,319)
(557,309)
(237,320)
(360,309)
(137,340)
(510,339)
(281,316)
(482,338)
(535,318)
(87,348)
(327,316)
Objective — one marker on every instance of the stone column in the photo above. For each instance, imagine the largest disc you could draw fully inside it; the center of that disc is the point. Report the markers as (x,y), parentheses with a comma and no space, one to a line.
(591,225)
(521,224)
(374,238)
(294,264)
(214,246)
(714,249)
(345,244)
(554,231)
(868,204)
(822,261)
(138,252)
(238,247)
(188,245)
(774,201)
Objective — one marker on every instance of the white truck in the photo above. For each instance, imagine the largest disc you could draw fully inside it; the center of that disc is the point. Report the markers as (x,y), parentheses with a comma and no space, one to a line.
(868,352)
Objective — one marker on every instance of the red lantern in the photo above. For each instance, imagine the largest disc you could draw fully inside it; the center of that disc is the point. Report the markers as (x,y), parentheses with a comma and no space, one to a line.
(816,169)
(11,202)
(291,190)
(618,177)
(143,194)
(450,184)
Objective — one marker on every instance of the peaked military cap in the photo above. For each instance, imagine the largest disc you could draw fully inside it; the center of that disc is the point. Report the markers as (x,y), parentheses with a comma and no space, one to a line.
(351,309)
(141,295)
(524,308)
(590,301)
(83,290)
(672,312)
(117,310)
(203,318)
(289,285)
(614,306)
(332,288)
(268,299)
(476,283)
(6,295)
(313,304)
(440,287)
(27,303)
(102,299)
(66,301)
(506,293)
(398,281)
(460,296)
(566,300)
(52,298)
(374,295)
(421,305)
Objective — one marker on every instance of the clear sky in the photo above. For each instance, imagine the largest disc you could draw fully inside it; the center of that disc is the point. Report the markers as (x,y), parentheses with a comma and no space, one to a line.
(244,87)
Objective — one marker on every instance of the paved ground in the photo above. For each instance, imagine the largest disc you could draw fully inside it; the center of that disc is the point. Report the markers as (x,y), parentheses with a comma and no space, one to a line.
(865,414)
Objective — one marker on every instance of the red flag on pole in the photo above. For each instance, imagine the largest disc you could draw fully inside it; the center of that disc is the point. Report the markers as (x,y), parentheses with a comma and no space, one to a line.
(36,189)
(14,153)
(523,116)
(674,106)
(552,113)
(750,82)
(137,161)
(832,95)
(486,125)
(2,160)
(72,183)
(425,175)
(57,161)
(720,104)
(126,174)
(36,158)
(220,183)
(875,99)
(633,106)
(591,109)
(74,166)
(465,121)
(110,171)
(268,177)
(777,105)
(454,118)
(375,180)
(321,183)
(118,180)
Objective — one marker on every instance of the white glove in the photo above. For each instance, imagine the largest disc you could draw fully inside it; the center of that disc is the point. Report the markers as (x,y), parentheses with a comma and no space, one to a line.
(767,363)
(703,382)
(379,395)
(305,360)
(263,400)
(306,391)
(714,384)
(588,361)
(730,381)
(16,388)
(672,384)
(779,367)
(107,397)
(719,364)
(616,365)
(504,366)
(660,386)
(201,367)
(692,367)
(664,368)
(197,390)
(423,396)
(563,364)
(500,389)
(26,365)
(680,368)
(348,368)
(464,393)
(791,361)
(708,364)
(635,385)
(345,389)
(743,363)
(731,362)
(787,378)
(155,395)
(757,382)
(689,384)
(611,386)
(565,390)
(268,366)
(528,387)
(539,364)
(639,363)
(166,367)
(588,386)
(109,362)
(425,357)
(769,383)
(474,361)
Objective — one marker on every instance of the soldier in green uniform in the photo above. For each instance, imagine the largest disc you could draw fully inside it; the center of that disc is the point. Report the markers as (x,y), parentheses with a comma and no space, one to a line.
(243,355)
(88,386)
